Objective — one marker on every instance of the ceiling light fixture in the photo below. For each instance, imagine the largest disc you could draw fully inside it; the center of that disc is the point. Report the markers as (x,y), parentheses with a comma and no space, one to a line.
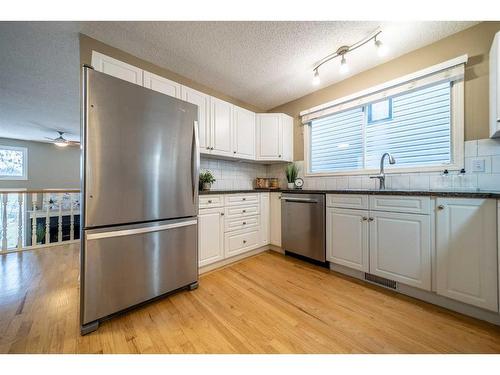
(61,144)
(343,50)
(316,80)
(381,48)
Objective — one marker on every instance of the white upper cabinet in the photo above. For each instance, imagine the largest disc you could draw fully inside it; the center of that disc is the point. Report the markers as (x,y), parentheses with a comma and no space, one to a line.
(161,84)
(221,127)
(466,246)
(203,102)
(400,247)
(243,133)
(116,68)
(274,137)
(495,87)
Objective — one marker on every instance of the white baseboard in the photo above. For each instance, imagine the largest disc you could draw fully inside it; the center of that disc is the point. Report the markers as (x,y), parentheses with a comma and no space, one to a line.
(236,258)
(426,296)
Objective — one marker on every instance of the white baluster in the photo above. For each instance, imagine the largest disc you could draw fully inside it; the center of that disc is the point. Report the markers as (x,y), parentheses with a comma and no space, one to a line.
(20,221)
(47,218)
(71,218)
(59,217)
(4,220)
(33,220)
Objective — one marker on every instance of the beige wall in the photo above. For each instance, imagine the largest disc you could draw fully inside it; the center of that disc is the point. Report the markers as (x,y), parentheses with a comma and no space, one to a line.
(49,166)
(87,45)
(475,42)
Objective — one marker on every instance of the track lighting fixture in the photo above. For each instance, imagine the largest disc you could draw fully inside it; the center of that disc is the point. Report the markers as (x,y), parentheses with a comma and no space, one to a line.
(343,50)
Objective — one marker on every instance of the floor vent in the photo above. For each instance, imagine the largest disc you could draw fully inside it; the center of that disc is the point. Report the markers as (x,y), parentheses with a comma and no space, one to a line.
(381,281)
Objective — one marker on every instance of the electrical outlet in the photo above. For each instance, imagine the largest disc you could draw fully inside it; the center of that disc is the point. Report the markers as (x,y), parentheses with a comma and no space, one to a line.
(478,165)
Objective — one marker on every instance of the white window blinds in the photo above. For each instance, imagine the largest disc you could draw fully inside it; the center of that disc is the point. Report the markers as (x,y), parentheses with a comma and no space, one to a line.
(419,131)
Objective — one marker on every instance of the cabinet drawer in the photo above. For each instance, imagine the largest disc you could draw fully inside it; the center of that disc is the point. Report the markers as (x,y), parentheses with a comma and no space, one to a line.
(241,211)
(398,203)
(239,199)
(358,201)
(211,201)
(240,242)
(241,223)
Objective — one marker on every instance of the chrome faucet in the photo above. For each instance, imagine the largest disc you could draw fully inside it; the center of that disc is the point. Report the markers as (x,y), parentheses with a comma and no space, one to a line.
(381,175)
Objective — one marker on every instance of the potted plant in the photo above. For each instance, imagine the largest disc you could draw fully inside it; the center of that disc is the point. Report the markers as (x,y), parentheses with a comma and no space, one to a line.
(291,171)
(206,180)
(40,234)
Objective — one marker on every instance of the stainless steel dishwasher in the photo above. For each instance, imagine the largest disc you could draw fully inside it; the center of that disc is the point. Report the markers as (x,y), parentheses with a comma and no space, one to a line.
(303,225)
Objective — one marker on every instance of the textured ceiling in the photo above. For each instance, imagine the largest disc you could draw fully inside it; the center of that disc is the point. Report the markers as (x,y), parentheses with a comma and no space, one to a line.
(262,63)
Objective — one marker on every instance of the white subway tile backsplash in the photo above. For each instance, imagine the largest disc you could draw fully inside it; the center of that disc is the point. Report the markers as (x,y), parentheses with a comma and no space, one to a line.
(487,147)
(495,164)
(439,182)
(368,183)
(419,181)
(342,183)
(470,148)
(400,182)
(488,181)
(354,182)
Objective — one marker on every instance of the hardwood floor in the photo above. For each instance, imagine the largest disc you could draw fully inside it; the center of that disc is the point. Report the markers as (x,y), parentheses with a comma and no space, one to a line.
(265,304)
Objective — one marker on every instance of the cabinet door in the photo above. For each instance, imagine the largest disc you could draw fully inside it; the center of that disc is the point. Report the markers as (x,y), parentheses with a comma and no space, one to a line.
(347,238)
(116,68)
(269,136)
(243,133)
(221,126)
(203,103)
(241,241)
(275,219)
(400,248)
(210,236)
(466,246)
(161,84)
(264,219)
(287,125)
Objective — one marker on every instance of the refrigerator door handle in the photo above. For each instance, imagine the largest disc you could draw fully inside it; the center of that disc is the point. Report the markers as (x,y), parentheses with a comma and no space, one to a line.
(195,163)
(128,232)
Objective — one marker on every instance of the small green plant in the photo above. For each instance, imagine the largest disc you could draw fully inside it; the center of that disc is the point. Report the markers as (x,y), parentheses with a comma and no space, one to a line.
(291,171)
(40,233)
(207,177)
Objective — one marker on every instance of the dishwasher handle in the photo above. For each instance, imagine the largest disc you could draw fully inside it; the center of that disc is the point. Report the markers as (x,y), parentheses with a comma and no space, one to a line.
(300,200)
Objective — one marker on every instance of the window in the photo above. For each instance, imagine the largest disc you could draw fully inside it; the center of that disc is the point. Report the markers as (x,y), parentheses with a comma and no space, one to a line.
(420,122)
(13,163)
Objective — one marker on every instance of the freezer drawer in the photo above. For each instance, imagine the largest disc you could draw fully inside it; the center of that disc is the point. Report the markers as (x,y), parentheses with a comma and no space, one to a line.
(124,266)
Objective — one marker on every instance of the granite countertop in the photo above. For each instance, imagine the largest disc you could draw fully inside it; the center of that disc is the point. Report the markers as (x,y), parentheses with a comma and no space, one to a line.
(434,193)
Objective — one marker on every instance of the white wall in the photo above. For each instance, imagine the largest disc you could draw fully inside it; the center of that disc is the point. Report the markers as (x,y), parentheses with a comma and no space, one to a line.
(49,166)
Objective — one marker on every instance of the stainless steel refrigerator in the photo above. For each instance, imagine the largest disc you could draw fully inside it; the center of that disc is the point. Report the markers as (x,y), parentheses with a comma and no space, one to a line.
(140,164)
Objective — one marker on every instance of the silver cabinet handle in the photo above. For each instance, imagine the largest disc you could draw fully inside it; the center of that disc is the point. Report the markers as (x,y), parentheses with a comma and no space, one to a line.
(371,219)
(440,207)
(302,200)
(222,214)
(244,241)
(128,232)
(244,223)
(365,218)
(209,201)
(244,211)
(244,199)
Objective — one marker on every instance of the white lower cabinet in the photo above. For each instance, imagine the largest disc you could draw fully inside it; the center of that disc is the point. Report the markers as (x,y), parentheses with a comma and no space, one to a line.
(264,219)
(400,248)
(210,235)
(466,246)
(275,219)
(347,238)
(231,224)
(239,242)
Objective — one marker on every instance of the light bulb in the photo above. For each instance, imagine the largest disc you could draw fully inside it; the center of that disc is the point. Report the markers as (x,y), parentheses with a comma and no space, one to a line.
(61,144)
(316,80)
(344,68)
(381,48)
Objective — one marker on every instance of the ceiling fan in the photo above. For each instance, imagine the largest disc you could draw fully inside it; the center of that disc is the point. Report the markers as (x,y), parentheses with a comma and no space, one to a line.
(61,141)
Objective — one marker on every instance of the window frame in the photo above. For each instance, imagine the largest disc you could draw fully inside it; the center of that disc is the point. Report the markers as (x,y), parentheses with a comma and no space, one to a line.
(24,150)
(457,144)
